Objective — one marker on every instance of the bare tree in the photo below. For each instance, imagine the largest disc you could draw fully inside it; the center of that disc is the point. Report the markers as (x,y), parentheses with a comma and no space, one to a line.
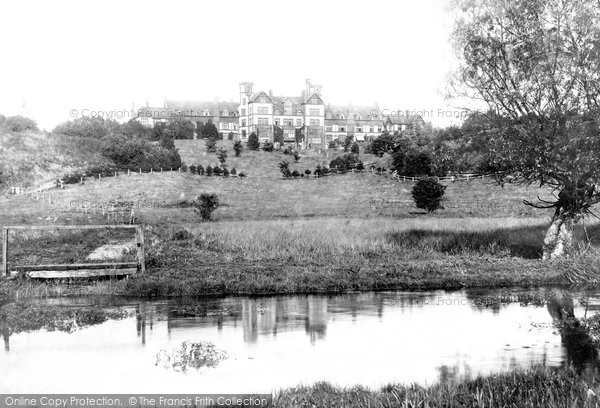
(536,64)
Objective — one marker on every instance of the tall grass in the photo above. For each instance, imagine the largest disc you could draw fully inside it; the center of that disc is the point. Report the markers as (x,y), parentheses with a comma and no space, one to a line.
(532,388)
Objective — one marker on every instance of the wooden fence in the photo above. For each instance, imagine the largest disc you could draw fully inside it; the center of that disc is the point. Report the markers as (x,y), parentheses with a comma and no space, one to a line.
(80,270)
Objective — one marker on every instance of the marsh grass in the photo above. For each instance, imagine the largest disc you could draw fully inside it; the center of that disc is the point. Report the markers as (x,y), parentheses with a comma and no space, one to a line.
(531,388)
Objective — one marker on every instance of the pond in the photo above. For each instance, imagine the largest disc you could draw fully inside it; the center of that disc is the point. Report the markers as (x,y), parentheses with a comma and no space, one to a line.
(269,343)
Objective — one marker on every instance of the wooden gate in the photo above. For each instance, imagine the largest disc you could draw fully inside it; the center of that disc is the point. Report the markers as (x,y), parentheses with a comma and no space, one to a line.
(74,270)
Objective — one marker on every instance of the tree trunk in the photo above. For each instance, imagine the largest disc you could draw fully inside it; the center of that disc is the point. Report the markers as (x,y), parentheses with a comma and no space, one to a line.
(559,237)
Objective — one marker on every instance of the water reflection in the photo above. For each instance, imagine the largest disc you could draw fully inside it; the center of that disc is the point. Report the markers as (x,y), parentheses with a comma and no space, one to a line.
(370,339)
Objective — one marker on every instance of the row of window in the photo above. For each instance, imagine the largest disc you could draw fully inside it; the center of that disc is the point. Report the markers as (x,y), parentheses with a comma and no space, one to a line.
(359,129)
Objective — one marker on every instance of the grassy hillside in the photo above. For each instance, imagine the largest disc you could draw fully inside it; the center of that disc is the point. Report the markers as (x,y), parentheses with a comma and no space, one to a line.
(29,158)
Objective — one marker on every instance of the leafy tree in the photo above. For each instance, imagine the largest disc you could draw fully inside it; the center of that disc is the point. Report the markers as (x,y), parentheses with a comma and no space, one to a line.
(225,172)
(222,155)
(209,131)
(134,154)
(217,171)
(428,194)
(295,173)
(192,169)
(348,142)
(417,164)
(307,172)
(387,143)
(237,148)
(209,170)
(205,204)
(332,145)
(181,128)
(134,128)
(200,169)
(278,135)
(344,163)
(253,143)
(167,141)
(535,64)
(354,148)
(96,127)
(299,135)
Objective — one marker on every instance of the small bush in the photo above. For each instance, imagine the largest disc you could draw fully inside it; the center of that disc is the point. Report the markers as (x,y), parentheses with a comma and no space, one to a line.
(230,136)
(241,174)
(222,155)
(307,172)
(209,170)
(225,173)
(237,148)
(184,167)
(354,148)
(233,171)
(295,173)
(181,235)
(217,171)
(205,204)
(211,144)
(428,194)
(200,169)
(284,167)
(268,147)
(296,156)
(19,124)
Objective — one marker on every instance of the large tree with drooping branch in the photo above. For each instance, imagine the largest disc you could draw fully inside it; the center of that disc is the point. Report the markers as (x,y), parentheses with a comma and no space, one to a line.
(536,65)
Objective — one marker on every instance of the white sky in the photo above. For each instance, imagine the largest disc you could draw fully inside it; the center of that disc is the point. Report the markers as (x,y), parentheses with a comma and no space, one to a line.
(102,56)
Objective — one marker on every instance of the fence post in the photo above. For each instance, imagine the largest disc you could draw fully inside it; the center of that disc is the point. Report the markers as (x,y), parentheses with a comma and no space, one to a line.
(5,252)
(140,248)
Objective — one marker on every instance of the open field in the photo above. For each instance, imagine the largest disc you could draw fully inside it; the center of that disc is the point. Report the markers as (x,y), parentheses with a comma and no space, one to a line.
(333,255)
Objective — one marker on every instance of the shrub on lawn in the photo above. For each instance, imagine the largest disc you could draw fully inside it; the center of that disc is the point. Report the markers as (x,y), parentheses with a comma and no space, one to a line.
(211,144)
(307,172)
(192,169)
(428,194)
(222,155)
(225,173)
(205,204)
(217,171)
(284,167)
(354,148)
(209,170)
(237,148)
(253,143)
(268,147)
(295,173)
(233,171)
(200,169)
(296,155)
